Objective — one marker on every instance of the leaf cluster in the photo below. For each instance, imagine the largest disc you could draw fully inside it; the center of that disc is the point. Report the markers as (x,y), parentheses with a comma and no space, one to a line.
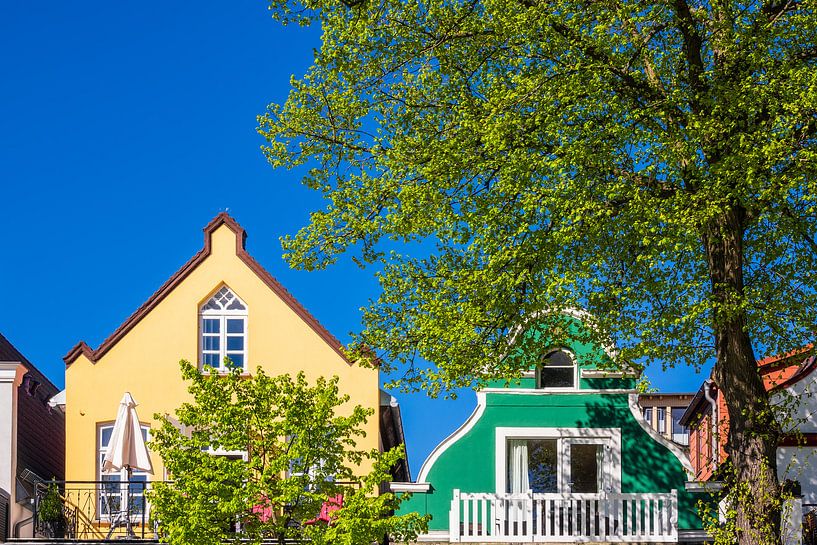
(255,458)
(496,159)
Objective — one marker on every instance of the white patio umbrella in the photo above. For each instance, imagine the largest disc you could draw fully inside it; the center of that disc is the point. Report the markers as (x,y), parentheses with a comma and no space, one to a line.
(126,448)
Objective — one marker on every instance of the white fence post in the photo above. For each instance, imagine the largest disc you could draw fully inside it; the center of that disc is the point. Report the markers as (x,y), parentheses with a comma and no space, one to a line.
(673,519)
(527,527)
(454,518)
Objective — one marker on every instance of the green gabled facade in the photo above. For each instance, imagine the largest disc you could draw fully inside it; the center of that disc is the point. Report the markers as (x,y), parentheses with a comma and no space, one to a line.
(598,411)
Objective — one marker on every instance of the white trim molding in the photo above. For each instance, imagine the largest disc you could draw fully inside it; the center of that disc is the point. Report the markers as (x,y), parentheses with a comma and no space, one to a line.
(12,372)
(609,437)
(434,536)
(453,438)
(221,452)
(696,536)
(675,449)
(601,373)
(554,391)
(11,377)
(703,486)
(409,487)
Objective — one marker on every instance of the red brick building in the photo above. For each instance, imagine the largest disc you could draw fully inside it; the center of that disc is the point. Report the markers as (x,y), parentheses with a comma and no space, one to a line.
(32,438)
(708,420)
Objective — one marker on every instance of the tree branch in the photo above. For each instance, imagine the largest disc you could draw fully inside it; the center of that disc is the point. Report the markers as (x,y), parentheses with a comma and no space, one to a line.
(692,50)
(773,10)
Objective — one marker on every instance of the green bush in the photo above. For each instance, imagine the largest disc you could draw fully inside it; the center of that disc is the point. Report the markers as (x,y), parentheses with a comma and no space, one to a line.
(50,508)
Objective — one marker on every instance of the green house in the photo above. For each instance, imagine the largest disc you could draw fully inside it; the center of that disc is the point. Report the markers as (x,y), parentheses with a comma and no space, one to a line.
(562,454)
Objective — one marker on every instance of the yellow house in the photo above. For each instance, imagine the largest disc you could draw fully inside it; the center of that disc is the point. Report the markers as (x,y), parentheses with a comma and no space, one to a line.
(220,303)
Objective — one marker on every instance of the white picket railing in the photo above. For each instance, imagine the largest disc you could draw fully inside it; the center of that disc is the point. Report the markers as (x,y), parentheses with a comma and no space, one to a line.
(516,518)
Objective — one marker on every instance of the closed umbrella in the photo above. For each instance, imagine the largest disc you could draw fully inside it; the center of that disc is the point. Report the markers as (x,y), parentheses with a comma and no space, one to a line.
(127,448)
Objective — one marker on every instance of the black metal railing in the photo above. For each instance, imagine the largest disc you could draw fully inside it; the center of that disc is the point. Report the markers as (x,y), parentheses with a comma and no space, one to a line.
(92,510)
(112,509)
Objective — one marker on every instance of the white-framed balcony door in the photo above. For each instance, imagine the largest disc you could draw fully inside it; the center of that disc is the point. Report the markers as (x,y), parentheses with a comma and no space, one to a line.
(606,442)
(587,466)
(588,461)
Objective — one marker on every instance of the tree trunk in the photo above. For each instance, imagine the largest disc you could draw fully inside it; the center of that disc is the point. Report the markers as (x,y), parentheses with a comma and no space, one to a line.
(751,443)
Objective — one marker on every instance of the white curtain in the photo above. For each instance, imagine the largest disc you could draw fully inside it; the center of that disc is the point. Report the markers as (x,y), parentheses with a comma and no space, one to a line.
(519,465)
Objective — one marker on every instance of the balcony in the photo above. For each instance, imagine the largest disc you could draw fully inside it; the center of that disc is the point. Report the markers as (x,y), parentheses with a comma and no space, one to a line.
(517,518)
(116,511)
(92,510)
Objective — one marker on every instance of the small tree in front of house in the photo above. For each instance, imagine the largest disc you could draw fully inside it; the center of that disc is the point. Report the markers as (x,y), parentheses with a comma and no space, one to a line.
(271,458)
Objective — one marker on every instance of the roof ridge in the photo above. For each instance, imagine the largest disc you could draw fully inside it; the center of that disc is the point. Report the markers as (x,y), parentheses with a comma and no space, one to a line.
(164,290)
(4,342)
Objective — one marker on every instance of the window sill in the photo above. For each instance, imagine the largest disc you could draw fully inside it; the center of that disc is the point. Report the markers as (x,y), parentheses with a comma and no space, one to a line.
(225,372)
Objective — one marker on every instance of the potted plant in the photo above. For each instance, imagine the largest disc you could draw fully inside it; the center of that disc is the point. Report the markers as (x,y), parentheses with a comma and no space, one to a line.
(50,512)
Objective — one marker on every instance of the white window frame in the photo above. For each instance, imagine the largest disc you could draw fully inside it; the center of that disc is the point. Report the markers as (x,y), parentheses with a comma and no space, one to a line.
(648,414)
(102,515)
(610,438)
(243,454)
(661,423)
(222,315)
(575,368)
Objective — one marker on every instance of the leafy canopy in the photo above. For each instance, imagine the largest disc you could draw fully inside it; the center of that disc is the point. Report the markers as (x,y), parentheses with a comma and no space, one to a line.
(256,458)
(495,159)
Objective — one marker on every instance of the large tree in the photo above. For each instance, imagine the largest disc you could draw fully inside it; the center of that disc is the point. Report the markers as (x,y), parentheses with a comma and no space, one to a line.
(652,162)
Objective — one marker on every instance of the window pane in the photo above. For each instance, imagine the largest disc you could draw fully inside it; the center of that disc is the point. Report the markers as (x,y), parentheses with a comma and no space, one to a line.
(109,496)
(677,413)
(558,358)
(212,360)
(235,325)
(211,305)
(584,468)
(235,343)
(556,377)
(680,434)
(236,359)
(236,305)
(210,325)
(210,343)
(106,436)
(542,465)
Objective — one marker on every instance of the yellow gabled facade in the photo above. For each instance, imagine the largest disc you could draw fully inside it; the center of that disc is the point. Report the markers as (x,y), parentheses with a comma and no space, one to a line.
(142,356)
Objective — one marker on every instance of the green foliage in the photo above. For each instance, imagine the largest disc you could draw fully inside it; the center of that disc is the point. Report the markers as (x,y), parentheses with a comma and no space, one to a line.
(50,507)
(501,158)
(290,447)
(720,514)
(651,162)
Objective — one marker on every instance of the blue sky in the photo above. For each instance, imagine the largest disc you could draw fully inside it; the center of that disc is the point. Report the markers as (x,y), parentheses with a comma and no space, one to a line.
(124,128)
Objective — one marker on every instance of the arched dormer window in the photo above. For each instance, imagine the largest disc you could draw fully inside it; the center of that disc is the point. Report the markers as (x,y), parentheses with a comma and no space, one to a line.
(223,330)
(557,370)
